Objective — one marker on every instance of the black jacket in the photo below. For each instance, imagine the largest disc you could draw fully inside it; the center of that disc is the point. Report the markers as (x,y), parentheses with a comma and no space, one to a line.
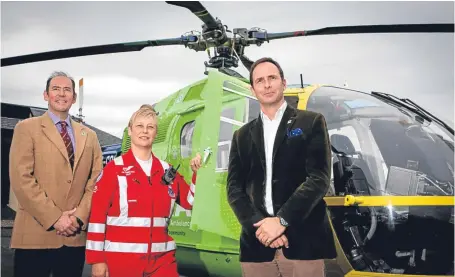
(301,176)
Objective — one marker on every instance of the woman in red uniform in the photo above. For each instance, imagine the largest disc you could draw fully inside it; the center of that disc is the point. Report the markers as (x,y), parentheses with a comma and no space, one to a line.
(131,208)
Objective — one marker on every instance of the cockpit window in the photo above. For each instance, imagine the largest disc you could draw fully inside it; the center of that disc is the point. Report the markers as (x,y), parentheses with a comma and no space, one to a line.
(379,149)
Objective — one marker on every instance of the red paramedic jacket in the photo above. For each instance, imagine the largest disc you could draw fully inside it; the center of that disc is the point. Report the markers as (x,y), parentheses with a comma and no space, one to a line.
(129,214)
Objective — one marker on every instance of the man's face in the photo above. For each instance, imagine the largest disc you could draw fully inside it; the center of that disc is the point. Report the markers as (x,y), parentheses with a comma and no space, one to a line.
(60,95)
(267,84)
(143,131)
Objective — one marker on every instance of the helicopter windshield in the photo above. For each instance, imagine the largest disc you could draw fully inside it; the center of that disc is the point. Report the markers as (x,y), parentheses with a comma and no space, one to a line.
(381,149)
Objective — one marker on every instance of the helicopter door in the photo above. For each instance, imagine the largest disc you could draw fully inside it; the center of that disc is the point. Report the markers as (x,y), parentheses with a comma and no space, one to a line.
(225,114)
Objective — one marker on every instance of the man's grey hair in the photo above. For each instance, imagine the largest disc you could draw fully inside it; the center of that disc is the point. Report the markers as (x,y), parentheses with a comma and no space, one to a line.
(60,74)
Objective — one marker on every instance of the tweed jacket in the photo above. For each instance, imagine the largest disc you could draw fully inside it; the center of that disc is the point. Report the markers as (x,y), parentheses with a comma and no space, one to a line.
(45,185)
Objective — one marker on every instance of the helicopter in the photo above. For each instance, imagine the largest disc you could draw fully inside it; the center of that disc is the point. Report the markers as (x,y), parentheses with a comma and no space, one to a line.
(391,197)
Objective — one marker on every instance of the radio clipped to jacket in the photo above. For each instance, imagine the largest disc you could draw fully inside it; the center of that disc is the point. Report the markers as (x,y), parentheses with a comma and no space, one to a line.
(169,175)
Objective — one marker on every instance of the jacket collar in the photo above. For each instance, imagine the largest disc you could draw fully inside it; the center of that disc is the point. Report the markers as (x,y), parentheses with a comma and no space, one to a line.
(157,168)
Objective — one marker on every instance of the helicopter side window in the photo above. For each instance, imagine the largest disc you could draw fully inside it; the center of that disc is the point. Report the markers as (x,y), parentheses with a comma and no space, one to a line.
(253,110)
(228,125)
(229,122)
(228,113)
(186,139)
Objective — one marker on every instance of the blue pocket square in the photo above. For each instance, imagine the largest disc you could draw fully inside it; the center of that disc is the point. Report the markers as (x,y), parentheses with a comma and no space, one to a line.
(295,132)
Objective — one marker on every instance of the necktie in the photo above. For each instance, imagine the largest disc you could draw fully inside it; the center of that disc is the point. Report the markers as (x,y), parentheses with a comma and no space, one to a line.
(67,141)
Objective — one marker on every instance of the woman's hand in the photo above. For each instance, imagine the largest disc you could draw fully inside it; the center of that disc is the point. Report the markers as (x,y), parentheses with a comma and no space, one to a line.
(196,163)
(100,270)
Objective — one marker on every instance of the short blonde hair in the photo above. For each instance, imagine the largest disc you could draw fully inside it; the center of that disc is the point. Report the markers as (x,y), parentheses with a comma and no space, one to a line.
(145,110)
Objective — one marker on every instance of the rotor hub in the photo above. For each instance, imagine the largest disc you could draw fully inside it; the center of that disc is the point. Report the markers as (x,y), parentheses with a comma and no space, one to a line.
(224,58)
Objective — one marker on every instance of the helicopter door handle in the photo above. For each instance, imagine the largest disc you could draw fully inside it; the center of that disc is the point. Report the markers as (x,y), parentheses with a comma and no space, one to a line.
(207,152)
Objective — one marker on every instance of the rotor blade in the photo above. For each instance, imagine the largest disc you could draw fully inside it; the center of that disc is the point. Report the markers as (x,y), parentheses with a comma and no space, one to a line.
(198,9)
(363,29)
(92,50)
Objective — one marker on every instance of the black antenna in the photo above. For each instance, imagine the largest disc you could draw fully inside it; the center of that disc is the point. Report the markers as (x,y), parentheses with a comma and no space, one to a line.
(301,80)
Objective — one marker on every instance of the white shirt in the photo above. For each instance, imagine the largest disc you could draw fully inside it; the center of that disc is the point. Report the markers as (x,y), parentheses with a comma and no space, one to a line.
(146,165)
(270,129)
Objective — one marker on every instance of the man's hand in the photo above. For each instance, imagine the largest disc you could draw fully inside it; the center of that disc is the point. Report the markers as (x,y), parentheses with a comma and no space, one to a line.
(64,224)
(100,270)
(196,162)
(75,223)
(269,229)
(280,242)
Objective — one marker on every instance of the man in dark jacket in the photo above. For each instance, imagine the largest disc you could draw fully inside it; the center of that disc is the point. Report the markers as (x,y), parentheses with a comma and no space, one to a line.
(279,172)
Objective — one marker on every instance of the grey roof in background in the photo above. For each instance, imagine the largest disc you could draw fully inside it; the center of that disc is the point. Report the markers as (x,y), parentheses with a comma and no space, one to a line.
(103,137)
(9,123)
(37,111)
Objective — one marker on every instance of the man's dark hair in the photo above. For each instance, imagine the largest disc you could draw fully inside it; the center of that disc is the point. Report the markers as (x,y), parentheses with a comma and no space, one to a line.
(57,74)
(265,60)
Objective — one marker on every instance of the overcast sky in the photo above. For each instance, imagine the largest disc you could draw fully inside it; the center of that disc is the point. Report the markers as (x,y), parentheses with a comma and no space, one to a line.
(417,66)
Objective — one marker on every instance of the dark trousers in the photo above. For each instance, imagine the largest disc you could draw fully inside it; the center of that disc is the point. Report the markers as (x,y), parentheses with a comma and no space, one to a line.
(61,262)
